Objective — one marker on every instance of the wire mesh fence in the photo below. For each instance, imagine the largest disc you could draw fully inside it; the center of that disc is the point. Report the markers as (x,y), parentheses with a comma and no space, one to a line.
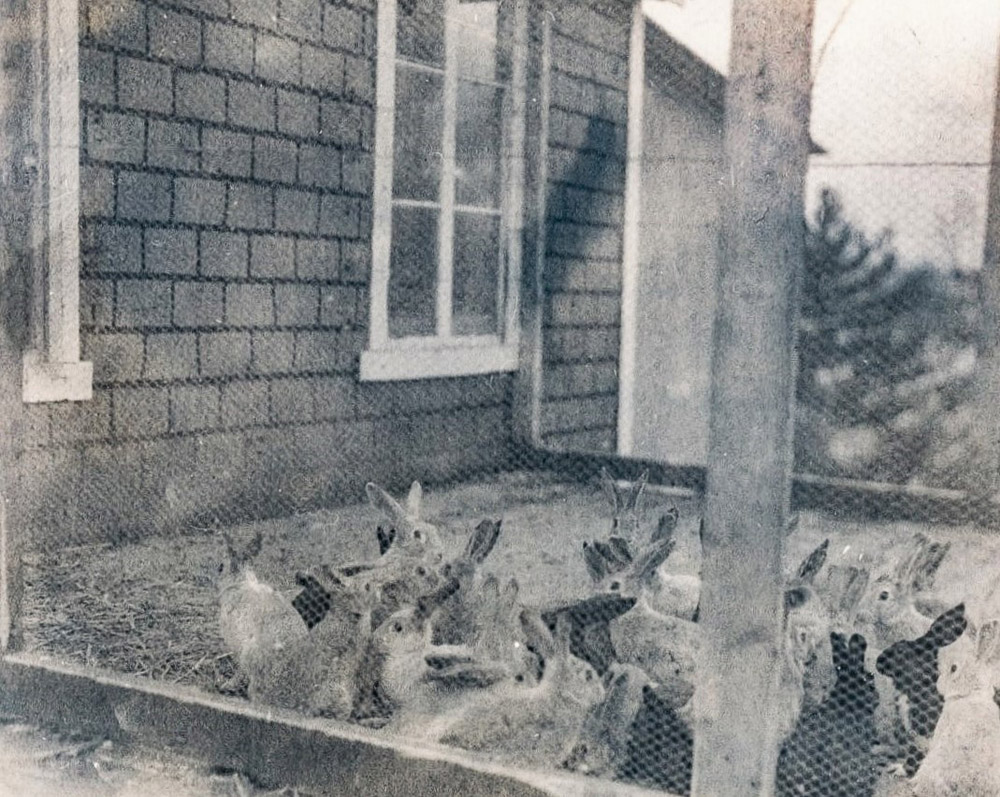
(302,480)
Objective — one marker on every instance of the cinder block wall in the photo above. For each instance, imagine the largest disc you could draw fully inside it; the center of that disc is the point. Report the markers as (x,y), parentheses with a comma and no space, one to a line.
(585,215)
(226,155)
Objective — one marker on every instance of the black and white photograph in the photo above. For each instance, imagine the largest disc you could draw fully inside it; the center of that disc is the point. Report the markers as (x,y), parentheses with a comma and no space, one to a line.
(499,398)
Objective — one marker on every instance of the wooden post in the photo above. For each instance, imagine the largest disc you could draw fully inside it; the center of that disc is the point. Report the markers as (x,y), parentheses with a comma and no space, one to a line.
(528,384)
(989,377)
(766,138)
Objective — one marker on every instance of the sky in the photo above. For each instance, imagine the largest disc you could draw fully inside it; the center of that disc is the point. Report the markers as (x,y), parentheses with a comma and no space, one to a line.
(899,82)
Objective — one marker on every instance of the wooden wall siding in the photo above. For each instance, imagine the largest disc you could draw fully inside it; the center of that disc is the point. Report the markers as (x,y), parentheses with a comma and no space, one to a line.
(226,172)
(585,214)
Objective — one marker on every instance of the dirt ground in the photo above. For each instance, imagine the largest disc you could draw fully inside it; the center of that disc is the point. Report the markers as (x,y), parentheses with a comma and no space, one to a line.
(150,607)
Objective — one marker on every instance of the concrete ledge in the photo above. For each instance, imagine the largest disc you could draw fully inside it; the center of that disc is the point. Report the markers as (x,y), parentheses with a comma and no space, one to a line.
(274,748)
(55,381)
(840,497)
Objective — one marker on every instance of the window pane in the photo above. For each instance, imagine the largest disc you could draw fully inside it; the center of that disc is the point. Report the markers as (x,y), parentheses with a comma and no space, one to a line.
(476,44)
(413,271)
(420,31)
(476,275)
(477,145)
(416,168)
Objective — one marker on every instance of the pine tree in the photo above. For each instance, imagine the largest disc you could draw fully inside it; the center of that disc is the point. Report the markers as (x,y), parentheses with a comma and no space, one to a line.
(876,342)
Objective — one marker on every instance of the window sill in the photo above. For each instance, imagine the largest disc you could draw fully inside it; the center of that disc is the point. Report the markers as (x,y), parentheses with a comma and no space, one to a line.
(435,361)
(54,381)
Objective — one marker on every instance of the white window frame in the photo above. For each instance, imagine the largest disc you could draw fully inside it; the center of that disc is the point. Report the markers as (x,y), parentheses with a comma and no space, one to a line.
(53,370)
(445,354)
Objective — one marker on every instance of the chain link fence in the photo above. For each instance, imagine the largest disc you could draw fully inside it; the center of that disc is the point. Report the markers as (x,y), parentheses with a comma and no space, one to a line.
(277,198)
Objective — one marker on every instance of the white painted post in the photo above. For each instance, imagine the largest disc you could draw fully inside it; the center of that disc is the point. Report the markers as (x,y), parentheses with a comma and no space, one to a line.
(630,236)
(57,374)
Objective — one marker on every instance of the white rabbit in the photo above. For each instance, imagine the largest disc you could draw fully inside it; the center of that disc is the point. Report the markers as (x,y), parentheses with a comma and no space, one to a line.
(894,606)
(257,623)
(964,754)
(414,536)
(806,673)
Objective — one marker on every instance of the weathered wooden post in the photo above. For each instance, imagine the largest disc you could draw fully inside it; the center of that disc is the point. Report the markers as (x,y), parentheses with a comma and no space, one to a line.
(753,376)
(988,415)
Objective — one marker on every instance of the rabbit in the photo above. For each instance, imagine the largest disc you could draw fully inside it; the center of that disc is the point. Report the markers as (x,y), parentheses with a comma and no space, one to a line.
(964,754)
(891,611)
(625,501)
(830,751)
(453,623)
(895,607)
(601,744)
(497,634)
(394,675)
(334,653)
(530,725)
(662,645)
(806,673)
(590,635)
(679,594)
(589,619)
(912,666)
(257,623)
(413,536)
(660,746)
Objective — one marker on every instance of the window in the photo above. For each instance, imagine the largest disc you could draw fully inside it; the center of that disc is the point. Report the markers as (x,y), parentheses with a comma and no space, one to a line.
(52,368)
(447,205)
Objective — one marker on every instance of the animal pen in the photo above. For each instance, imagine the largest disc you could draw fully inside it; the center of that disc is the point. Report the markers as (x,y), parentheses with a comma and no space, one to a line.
(434,396)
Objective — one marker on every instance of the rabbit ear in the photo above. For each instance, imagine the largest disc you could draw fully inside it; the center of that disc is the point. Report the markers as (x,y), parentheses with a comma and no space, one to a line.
(948,627)
(634,494)
(426,604)
(385,503)
(649,561)
(814,562)
(667,525)
(927,563)
(483,540)
(989,636)
(611,490)
(414,499)
(856,650)
(536,633)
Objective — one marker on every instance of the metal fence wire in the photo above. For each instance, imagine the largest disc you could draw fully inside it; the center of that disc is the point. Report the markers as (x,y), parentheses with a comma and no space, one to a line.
(270,496)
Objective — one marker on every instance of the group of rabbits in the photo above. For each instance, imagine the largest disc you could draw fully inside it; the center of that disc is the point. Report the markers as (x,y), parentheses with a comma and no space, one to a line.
(438,650)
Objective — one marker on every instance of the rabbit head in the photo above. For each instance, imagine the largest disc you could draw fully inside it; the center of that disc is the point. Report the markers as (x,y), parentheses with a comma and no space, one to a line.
(230,568)
(575,680)
(625,500)
(480,545)
(413,535)
(849,662)
(890,604)
(640,576)
(603,739)
(807,631)
(970,666)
